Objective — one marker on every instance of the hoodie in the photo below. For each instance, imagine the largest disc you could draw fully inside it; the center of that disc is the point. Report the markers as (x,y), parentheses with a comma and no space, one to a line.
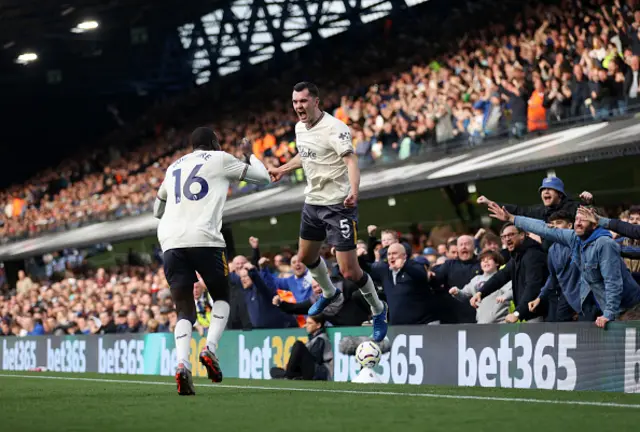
(527,271)
(602,270)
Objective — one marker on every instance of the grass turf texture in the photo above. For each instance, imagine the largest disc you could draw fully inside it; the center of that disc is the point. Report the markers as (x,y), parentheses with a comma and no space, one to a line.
(28,402)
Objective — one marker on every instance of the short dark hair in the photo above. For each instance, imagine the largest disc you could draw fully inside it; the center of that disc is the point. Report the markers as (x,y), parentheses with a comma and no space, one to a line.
(203,138)
(493,255)
(452,243)
(489,238)
(634,209)
(509,224)
(306,85)
(319,318)
(561,215)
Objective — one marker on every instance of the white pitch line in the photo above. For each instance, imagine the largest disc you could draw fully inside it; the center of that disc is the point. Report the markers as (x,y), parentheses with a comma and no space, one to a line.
(336,391)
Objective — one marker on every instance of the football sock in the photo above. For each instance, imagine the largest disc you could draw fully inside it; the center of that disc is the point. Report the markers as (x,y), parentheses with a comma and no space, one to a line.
(320,273)
(219,318)
(182,335)
(368,290)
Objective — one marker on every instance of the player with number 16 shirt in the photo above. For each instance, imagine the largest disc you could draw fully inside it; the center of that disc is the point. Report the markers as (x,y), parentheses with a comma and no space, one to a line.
(189,205)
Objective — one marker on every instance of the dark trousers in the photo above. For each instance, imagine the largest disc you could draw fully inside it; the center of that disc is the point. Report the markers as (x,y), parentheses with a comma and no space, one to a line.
(558,309)
(301,363)
(590,309)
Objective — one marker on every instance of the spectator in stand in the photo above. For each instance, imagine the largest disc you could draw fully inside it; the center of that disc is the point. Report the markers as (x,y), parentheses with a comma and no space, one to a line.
(527,272)
(298,284)
(387,238)
(24,284)
(537,114)
(456,272)
(604,274)
(258,298)
(108,326)
(452,250)
(405,283)
(5,327)
(495,307)
(579,88)
(632,82)
(561,292)
(554,198)
(634,219)
(238,315)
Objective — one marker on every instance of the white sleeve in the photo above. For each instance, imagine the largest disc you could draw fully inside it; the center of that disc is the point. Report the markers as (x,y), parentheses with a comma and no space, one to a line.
(255,172)
(160,202)
(340,139)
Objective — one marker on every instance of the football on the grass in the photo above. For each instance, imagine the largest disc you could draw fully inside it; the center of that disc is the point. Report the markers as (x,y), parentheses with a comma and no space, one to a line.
(368,354)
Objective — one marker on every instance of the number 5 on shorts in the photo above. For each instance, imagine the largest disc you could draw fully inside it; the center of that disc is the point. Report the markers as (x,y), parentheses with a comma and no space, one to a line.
(345,229)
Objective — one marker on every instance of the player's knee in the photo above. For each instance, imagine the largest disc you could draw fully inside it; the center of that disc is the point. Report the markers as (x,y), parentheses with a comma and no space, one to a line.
(306,258)
(353,273)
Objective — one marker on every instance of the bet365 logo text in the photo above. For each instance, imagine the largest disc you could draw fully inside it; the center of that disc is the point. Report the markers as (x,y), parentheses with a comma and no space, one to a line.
(402,365)
(631,361)
(18,355)
(520,362)
(256,360)
(125,357)
(70,356)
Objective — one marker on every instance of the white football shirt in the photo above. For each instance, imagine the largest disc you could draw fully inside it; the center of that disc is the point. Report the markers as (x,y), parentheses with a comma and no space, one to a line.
(194,192)
(321,150)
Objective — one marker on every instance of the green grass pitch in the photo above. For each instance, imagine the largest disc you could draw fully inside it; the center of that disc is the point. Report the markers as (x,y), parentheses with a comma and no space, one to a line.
(92,402)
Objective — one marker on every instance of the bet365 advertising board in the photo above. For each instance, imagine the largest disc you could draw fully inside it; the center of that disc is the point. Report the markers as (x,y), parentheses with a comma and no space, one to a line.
(576,356)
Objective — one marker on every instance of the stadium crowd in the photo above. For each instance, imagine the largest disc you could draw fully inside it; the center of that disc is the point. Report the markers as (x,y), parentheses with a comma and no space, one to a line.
(573,60)
(555,261)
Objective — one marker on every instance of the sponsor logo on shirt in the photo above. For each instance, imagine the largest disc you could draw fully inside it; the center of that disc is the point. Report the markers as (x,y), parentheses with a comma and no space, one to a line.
(305,153)
(345,136)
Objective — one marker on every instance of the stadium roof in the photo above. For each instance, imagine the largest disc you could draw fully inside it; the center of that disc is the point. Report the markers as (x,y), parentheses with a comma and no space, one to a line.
(102,57)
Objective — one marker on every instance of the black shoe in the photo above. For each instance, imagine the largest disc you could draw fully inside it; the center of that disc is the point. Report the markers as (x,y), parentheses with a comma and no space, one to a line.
(211,364)
(184,381)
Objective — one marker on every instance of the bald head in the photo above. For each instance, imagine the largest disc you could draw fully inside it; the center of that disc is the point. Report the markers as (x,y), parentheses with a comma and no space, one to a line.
(239,262)
(397,248)
(396,256)
(466,245)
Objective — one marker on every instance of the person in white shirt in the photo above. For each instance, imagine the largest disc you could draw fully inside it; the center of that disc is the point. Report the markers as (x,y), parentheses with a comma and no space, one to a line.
(189,205)
(325,152)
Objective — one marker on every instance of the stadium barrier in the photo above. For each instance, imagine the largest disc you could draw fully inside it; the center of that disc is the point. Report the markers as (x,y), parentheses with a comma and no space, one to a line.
(573,356)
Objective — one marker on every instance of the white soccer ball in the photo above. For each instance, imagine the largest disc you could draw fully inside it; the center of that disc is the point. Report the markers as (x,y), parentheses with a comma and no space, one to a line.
(367,376)
(368,354)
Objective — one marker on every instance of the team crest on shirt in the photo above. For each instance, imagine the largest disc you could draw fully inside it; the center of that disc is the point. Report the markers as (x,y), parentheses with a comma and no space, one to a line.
(305,153)
(344,136)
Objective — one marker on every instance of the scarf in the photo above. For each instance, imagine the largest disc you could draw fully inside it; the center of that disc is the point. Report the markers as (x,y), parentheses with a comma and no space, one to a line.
(582,243)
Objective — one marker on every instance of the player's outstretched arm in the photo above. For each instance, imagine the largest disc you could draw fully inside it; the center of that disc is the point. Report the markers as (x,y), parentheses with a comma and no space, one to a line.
(277,173)
(252,172)
(160,202)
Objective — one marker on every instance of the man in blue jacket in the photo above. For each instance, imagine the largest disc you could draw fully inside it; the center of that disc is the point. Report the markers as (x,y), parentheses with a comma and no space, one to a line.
(299,283)
(564,278)
(406,285)
(603,272)
(258,298)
